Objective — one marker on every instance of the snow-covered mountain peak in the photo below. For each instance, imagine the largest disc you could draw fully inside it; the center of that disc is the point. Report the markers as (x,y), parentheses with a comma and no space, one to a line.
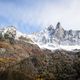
(12,34)
(50,27)
(59,31)
(12,31)
(58,26)
(57,37)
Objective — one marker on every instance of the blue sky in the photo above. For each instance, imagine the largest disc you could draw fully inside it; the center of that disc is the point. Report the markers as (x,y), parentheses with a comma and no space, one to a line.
(33,15)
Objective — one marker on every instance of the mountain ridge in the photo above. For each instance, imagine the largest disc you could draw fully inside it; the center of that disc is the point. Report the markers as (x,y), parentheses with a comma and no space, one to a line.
(50,37)
(58,36)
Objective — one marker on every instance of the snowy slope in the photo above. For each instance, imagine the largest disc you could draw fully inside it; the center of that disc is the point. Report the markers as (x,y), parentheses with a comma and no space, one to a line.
(19,34)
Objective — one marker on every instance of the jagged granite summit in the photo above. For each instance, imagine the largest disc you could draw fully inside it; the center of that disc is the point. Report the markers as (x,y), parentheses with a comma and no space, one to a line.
(57,36)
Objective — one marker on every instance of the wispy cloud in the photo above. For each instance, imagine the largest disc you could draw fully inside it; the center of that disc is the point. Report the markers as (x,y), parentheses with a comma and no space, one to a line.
(33,14)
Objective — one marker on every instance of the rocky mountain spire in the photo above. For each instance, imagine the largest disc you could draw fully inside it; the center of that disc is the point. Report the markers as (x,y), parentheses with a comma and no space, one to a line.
(59,31)
(58,26)
(50,27)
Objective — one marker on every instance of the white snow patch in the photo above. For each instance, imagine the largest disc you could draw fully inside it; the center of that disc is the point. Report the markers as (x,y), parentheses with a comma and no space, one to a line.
(70,48)
(59,47)
(19,34)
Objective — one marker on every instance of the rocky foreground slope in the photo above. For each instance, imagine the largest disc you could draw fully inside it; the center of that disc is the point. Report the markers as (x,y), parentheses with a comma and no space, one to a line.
(21,59)
(25,61)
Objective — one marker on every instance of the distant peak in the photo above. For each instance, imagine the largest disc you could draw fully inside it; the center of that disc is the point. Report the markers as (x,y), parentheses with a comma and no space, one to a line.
(50,27)
(58,25)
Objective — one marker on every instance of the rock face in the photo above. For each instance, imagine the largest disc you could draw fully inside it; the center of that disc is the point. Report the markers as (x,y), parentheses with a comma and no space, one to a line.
(10,31)
(59,31)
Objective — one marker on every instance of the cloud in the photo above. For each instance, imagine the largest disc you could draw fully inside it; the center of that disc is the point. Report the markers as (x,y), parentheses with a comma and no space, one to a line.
(33,14)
